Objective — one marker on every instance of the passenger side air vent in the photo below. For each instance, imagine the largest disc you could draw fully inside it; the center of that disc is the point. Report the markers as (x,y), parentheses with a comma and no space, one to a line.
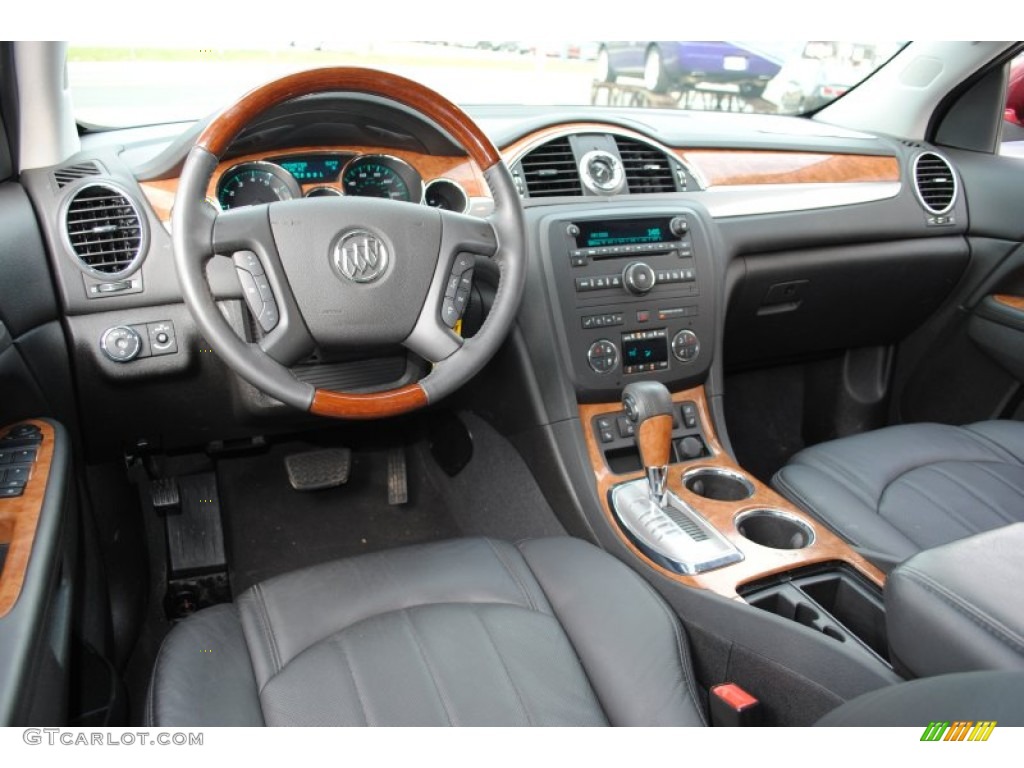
(550,170)
(104,230)
(934,182)
(647,168)
(65,176)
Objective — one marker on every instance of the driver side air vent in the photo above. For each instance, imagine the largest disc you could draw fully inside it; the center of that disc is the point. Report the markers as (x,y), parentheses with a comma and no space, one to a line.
(104,230)
(934,182)
(550,170)
(647,169)
(65,176)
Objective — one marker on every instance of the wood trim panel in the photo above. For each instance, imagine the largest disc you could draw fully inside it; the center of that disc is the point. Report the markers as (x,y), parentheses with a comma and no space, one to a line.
(222,130)
(520,147)
(462,170)
(759,562)
(19,518)
(1013,302)
(370,406)
(733,167)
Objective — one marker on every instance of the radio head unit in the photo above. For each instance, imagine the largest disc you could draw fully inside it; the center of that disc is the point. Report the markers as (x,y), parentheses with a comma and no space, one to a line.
(623,232)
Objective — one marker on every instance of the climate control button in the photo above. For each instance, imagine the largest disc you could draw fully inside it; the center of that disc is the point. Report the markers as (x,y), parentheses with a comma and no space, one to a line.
(685,346)
(603,356)
(638,278)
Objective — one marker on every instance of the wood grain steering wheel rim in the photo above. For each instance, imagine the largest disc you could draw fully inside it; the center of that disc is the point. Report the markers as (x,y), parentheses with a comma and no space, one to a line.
(197,229)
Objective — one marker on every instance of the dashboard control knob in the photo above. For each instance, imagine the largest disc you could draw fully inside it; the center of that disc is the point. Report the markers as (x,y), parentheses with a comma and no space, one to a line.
(603,356)
(572,230)
(691,448)
(679,226)
(121,343)
(685,346)
(638,278)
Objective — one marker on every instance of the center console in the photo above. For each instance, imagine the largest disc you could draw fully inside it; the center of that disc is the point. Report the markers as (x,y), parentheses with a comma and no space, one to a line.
(634,293)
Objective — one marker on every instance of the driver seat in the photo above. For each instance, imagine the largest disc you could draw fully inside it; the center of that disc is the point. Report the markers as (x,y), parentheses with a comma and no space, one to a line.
(462,632)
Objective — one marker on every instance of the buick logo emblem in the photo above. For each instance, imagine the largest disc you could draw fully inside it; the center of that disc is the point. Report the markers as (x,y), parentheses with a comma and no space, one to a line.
(361,257)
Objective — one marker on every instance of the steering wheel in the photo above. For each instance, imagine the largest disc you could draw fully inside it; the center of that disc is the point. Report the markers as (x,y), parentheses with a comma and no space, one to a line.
(345,272)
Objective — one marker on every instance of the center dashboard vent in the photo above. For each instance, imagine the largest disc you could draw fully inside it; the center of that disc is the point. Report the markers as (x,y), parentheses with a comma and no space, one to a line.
(935,182)
(550,170)
(647,169)
(104,230)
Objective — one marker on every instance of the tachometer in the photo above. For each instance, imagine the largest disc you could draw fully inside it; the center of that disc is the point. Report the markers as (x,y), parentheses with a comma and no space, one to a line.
(255,183)
(382,176)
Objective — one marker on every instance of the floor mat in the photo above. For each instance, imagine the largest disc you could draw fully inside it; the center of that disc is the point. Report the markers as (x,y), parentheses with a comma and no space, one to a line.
(764,414)
(272,529)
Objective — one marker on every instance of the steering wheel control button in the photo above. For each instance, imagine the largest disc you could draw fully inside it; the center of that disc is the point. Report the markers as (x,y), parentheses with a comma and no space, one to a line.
(458,289)
(361,257)
(603,356)
(269,316)
(638,278)
(449,313)
(121,343)
(685,346)
(162,339)
(248,261)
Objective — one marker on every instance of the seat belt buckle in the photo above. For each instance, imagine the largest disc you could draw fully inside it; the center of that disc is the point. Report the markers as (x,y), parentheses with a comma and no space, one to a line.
(731,706)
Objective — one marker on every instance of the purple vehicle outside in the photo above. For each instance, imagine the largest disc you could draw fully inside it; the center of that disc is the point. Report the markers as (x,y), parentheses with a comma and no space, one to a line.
(666,66)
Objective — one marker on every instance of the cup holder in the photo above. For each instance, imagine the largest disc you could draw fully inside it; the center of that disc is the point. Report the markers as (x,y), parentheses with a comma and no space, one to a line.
(774,529)
(718,484)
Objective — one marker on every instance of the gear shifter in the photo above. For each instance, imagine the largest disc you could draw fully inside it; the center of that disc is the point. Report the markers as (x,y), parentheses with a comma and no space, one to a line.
(648,405)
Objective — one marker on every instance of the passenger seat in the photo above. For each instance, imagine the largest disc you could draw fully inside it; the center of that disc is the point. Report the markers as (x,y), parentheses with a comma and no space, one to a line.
(896,491)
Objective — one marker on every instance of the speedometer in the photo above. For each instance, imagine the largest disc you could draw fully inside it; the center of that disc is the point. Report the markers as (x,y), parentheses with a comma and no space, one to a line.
(255,183)
(382,176)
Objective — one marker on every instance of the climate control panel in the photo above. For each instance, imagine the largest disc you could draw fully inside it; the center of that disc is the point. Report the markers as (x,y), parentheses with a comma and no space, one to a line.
(635,293)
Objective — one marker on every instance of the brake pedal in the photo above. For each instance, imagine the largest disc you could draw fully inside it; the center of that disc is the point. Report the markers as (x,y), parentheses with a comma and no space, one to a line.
(398,477)
(316,470)
(165,496)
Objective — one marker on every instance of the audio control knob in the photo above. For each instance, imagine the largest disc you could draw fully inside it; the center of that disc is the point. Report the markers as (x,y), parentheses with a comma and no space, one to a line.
(603,356)
(679,226)
(121,343)
(685,346)
(638,278)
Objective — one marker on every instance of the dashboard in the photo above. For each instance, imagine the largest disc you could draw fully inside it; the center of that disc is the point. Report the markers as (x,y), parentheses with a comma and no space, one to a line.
(654,237)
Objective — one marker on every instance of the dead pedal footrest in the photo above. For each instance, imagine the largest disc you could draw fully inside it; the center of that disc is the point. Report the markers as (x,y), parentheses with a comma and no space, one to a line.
(316,470)
(398,480)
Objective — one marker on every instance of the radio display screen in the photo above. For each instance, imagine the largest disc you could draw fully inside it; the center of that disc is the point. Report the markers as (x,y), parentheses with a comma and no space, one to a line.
(600,234)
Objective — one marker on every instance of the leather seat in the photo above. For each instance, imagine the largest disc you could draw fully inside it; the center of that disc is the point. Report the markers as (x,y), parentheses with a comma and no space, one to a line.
(899,490)
(465,632)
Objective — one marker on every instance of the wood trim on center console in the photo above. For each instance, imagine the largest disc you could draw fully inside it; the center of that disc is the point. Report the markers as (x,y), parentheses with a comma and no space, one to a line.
(759,562)
(19,517)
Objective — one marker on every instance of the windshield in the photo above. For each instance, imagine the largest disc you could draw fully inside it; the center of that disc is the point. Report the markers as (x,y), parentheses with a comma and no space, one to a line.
(128,86)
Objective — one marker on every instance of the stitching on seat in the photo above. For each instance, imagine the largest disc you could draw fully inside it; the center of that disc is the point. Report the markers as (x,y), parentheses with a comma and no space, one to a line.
(501,659)
(971,492)
(854,485)
(339,641)
(940,505)
(991,444)
(512,575)
(985,622)
(987,469)
(434,678)
(264,617)
(780,482)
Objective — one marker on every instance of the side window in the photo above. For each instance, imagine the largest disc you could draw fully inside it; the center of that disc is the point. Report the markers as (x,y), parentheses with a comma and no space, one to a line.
(1013,113)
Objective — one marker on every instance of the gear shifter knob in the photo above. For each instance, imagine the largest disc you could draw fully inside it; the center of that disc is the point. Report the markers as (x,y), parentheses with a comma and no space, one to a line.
(648,404)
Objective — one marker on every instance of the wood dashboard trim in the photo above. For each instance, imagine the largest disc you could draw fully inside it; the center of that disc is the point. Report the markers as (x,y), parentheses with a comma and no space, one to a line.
(721,168)
(460,169)
(759,562)
(1013,302)
(19,518)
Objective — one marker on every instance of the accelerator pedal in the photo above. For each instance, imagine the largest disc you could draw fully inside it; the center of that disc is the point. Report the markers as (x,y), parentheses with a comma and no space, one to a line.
(398,478)
(316,470)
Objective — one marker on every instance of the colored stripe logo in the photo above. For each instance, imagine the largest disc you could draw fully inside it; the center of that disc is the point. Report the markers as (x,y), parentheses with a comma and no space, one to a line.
(961,730)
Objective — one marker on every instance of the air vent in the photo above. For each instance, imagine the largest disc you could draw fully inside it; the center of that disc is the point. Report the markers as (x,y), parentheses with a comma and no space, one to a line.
(65,176)
(104,230)
(647,168)
(934,182)
(550,170)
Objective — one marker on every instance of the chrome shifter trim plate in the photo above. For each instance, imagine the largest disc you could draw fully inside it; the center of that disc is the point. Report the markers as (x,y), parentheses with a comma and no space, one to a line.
(673,534)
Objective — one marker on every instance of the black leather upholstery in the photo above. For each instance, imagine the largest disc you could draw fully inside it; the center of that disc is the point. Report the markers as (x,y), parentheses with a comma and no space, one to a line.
(466,632)
(958,607)
(902,489)
(964,697)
